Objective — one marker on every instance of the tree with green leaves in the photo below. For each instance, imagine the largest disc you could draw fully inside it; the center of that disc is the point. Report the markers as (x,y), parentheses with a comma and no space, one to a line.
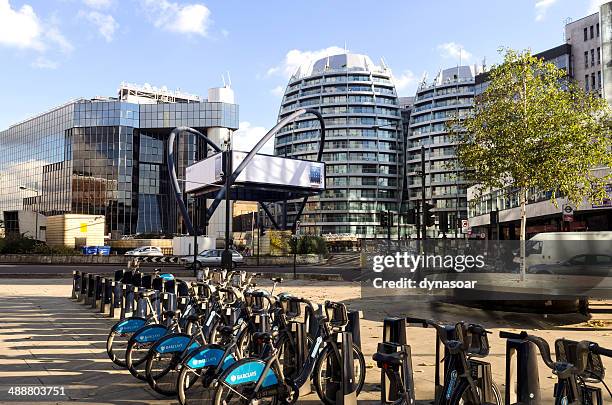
(534,128)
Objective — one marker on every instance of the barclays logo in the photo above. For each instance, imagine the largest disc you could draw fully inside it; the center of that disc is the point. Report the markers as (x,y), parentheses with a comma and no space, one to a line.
(170,347)
(235,378)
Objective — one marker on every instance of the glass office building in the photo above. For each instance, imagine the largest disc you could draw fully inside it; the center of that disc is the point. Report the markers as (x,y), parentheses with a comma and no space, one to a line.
(451,94)
(363,145)
(107,156)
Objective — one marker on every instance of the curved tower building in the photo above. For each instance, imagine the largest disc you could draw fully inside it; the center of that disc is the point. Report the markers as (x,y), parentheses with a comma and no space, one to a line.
(363,145)
(450,94)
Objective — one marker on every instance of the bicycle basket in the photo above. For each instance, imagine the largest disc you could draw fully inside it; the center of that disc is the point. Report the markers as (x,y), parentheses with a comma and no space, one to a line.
(477,341)
(565,351)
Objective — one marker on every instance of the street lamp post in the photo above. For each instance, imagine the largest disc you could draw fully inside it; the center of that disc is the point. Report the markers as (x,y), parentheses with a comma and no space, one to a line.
(37,194)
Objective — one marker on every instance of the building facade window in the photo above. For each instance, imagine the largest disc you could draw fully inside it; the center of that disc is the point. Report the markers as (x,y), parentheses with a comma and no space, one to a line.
(599,56)
(586,82)
(586,59)
(592,32)
(586,34)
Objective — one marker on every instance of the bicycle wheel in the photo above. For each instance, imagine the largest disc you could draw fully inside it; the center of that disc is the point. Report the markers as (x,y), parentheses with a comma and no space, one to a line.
(324,378)
(162,373)
(464,396)
(119,336)
(194,386)
(116,347)
(136,357)
(236,395)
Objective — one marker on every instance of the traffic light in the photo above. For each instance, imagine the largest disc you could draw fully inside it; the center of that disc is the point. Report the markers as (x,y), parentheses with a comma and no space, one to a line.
(428,214)
(384,219)
(410,216)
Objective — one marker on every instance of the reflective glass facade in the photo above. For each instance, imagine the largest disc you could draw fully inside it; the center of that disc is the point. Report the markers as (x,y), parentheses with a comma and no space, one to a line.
(105,157)
(363,145)
(450,95)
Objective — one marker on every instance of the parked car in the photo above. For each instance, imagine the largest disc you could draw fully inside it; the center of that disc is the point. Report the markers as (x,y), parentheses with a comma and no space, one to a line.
(212,257)
(145,251)
(596,265)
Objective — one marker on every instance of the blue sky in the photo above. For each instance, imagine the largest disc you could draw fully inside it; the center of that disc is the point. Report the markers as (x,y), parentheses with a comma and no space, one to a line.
(55,50)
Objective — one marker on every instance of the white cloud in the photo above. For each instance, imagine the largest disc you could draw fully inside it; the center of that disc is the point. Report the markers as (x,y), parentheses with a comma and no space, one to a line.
(98,4)
(54,35)
(20,28)
(453,50)
(405,82)
(44,63)
(247,136)
(278,91)
(225,33)
(23,29)
(105,23)
(180,18)
(296,58)
(541,7)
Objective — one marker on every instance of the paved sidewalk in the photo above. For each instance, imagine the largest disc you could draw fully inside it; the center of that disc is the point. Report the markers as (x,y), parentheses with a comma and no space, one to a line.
(48,340)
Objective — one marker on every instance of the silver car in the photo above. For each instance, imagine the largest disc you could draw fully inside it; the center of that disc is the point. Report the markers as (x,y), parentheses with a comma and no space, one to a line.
(145,251)
(212,257)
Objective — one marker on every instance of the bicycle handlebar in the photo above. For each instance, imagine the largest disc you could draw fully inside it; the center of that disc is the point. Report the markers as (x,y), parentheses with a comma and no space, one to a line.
(596,349)
(542,345)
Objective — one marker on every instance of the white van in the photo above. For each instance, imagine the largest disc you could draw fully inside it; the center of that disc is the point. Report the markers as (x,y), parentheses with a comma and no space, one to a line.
(557,247)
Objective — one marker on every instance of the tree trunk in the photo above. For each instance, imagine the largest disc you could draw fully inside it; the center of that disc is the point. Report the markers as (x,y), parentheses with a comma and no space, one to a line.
(522,238)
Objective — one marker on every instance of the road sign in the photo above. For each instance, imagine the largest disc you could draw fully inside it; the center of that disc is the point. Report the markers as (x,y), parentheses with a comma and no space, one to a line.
(568,213)
(465,225)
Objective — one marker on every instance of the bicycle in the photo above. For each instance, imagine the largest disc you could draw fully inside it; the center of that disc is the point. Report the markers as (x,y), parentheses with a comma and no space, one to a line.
(577,363)
(466,381)
(264,380)
(141,341)
(165,358)
(120,333)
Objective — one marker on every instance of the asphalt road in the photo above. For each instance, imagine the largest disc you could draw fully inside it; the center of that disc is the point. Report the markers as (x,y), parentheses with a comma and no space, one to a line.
(50,270)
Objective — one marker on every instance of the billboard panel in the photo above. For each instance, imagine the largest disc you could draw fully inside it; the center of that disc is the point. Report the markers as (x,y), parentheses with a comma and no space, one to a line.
(262,169)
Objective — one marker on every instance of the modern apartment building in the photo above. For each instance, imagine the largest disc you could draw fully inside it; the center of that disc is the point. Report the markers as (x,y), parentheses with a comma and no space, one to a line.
(363,145)
(449,95)
(107,156)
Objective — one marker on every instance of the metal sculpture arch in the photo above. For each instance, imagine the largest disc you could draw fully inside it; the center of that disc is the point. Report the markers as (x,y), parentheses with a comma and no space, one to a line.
(228,184)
